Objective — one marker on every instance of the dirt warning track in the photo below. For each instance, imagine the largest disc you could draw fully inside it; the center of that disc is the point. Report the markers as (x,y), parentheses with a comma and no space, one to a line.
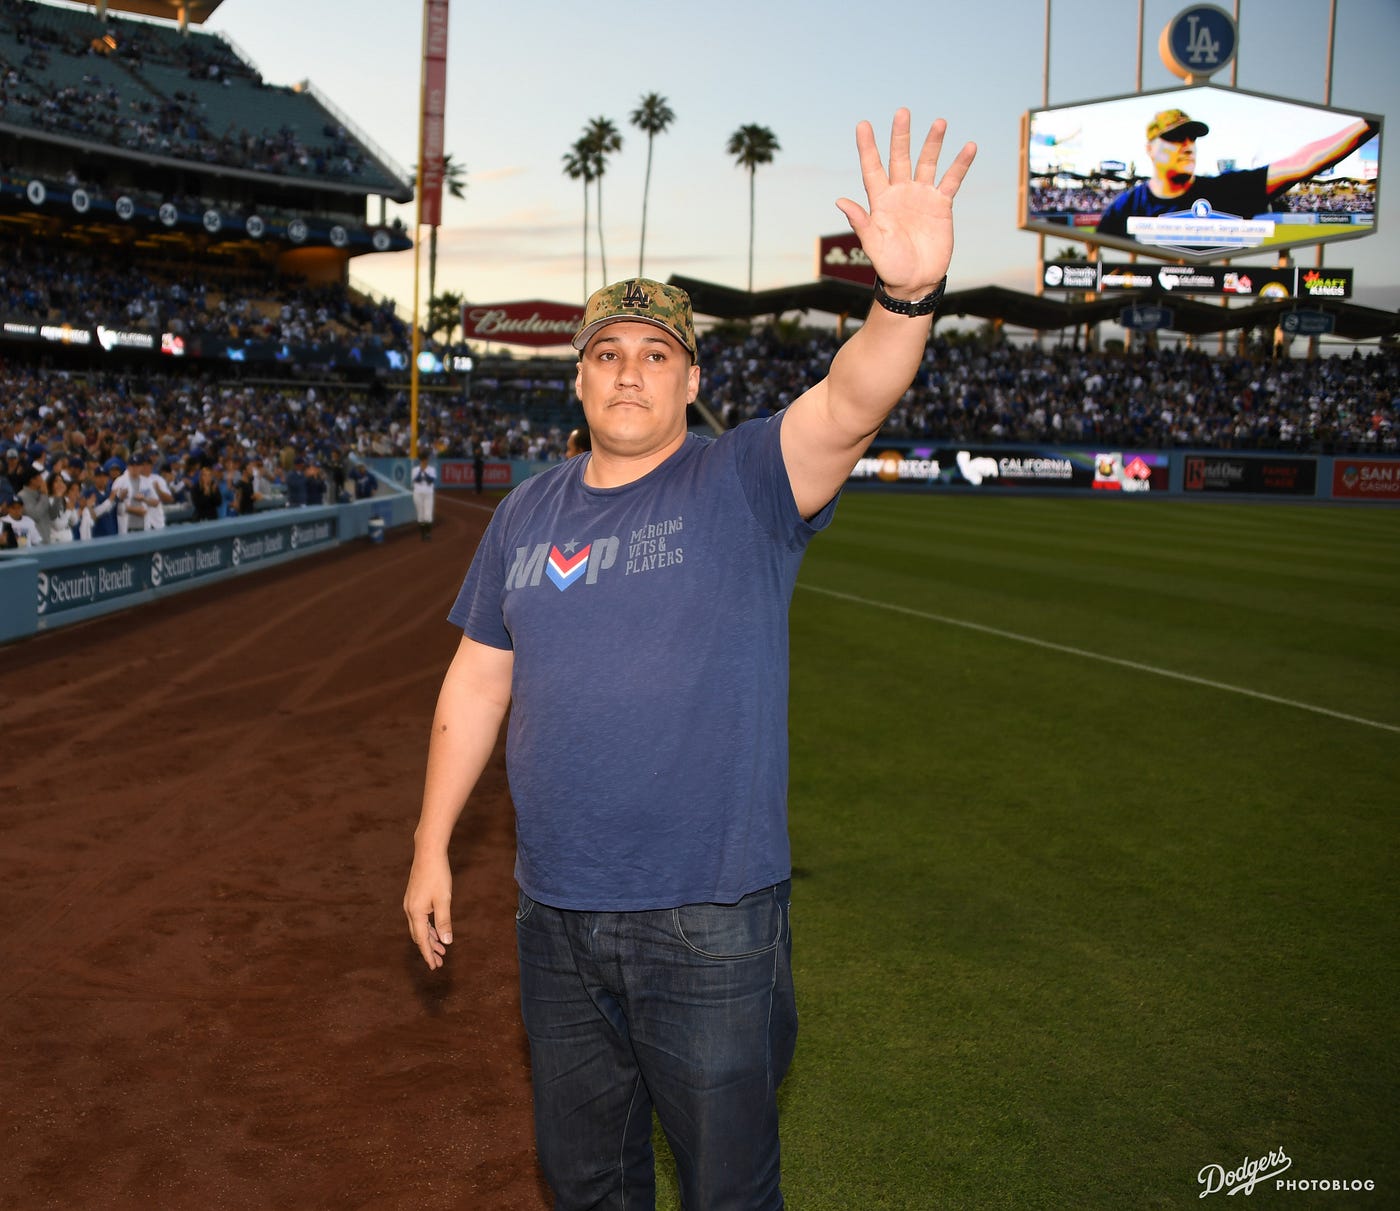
(208,996)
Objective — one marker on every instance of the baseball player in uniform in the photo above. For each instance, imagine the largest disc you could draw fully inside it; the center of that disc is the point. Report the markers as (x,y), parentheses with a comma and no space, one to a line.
(424,483)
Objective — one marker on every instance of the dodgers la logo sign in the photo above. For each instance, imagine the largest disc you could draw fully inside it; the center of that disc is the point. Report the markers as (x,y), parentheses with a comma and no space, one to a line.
(1198,42)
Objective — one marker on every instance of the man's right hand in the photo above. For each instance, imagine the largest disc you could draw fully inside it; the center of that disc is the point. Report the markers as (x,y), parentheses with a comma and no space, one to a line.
(428,905)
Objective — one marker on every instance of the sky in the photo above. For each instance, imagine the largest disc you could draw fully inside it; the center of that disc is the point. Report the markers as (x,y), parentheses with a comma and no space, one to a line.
(524,77)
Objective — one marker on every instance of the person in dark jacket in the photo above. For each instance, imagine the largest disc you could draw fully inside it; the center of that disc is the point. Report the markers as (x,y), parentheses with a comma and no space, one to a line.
(296,484)
(246,495)
(205,497)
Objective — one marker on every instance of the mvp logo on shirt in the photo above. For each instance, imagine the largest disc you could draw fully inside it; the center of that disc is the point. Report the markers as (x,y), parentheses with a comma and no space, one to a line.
(565,565)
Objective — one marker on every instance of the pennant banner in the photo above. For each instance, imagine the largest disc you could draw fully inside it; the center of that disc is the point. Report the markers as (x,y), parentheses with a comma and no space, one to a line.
(434,107)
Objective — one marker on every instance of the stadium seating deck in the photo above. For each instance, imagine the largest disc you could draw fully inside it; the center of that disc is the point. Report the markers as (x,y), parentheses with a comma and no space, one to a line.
(164,93)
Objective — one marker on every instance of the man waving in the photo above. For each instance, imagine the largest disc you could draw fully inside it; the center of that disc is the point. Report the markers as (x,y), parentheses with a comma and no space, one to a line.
(631,603)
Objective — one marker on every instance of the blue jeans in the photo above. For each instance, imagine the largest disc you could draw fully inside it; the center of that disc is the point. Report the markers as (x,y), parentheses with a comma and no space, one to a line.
(688,1011)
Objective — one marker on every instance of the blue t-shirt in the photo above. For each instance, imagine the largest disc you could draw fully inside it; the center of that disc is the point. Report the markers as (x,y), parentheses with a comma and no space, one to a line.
(647,744)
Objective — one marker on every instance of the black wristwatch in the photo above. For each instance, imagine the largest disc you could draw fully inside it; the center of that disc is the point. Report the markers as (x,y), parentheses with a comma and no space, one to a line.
(924,306)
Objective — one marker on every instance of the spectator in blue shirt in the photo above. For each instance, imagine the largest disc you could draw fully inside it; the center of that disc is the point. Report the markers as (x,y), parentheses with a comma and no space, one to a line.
(315,485)
(296,484)
(365,481)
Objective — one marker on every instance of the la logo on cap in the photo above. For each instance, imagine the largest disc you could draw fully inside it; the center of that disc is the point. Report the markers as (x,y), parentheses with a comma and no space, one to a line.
(636,296)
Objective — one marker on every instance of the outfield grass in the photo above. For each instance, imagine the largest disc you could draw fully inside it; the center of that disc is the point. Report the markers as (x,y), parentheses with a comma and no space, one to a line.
(1069,930)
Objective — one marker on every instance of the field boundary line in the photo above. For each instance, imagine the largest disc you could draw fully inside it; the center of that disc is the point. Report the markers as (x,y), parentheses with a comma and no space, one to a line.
(1087,655)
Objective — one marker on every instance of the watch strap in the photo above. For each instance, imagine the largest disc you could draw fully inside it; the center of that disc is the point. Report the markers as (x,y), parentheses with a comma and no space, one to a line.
(924,306)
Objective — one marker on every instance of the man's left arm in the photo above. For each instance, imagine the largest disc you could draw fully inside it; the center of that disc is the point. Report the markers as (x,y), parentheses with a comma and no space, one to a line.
(1312,158)
(907,233)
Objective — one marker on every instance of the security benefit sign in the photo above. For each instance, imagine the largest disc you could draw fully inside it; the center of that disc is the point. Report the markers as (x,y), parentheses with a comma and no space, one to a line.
(68,588)
(1266,476)
(98,581)
(999,467)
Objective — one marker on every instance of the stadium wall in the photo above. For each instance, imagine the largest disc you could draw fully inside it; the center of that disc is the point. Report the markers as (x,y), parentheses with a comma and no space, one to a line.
(1184,473)
(47,587)
(945,466)
(50,587)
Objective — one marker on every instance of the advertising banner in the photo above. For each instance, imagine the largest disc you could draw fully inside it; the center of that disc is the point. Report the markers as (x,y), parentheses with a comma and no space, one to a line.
(100,580)
(1266,476)
(1107,277)
(841,256)
(126,341)
(1000,467)
(1071,275)
(434,108)
(462,475)
(1146,318)
(531,322)
(1366,478)
(1307,323)
(1326,283)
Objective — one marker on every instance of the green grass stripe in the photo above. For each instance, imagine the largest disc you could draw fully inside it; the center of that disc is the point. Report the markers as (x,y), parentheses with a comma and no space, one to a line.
(1128,664)
(1093,809)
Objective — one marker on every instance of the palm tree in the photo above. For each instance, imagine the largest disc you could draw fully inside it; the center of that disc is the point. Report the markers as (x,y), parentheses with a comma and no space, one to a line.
(454,180)
(751,146)
(603,139)
(444,314)
(652,116)
(578,165)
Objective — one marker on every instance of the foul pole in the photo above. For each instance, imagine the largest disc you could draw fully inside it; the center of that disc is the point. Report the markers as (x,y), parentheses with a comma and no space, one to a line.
(432,104)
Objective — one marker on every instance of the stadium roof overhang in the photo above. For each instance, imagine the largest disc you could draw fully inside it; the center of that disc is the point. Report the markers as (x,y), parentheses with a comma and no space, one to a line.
(402,192)
(186,12)
(1192,316)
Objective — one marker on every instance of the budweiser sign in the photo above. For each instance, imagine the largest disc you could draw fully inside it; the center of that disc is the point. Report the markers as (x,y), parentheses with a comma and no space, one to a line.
(530,323)
(841,256)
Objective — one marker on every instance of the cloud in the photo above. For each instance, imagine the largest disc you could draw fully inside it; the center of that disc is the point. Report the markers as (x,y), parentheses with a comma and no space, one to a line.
(513,237)
(489,175)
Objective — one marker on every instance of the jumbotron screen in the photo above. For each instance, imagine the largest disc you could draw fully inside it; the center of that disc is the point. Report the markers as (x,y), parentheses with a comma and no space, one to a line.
(1200,173)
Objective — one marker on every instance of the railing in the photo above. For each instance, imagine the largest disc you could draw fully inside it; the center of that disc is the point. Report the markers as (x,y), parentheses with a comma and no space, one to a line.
(360,287)
(394,168)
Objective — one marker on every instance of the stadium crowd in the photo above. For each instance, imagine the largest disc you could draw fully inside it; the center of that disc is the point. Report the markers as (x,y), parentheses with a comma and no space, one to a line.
(967,392)
(199,448)
(66,425)
(1086,199)
(52,282)
(1331,197)
(67,437)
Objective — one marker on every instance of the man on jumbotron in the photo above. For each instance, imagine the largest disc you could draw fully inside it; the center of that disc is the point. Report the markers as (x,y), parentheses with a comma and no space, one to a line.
(1174,185)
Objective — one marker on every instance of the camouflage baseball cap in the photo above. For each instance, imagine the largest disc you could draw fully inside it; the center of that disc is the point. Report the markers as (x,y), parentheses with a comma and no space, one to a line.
(642,300)
(1175,126)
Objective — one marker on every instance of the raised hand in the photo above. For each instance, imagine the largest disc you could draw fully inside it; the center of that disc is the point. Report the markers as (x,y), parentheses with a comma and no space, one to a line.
(908,230)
